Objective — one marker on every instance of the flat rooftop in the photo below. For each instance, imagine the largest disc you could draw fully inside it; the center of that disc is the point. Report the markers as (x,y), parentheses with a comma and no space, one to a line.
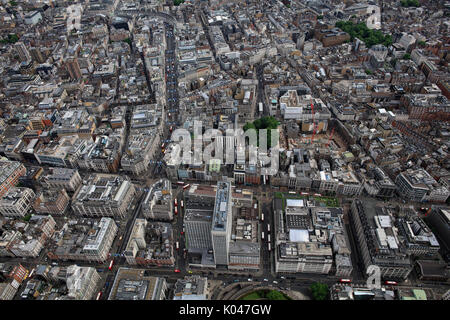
(134,284)
(221,209)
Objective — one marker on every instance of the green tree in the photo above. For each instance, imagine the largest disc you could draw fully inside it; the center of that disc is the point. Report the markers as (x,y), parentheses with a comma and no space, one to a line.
(410,3)
(128,40)
(263,123)
(319,291)
(249,125)
(275,295)
(13,38)
(258,124)
(268,123)
(406,56)
(319,17)
(387,40)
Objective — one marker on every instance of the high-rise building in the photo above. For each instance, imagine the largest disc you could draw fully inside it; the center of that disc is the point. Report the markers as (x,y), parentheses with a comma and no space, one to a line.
(37,55)
(439,220)
(22,51)
(73,68)
(222,223)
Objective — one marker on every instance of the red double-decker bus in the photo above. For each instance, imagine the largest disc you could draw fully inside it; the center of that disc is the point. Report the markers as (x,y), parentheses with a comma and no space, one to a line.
(345,281)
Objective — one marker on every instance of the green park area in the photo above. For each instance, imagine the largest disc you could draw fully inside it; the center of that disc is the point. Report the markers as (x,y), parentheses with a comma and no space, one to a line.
(11,38)
(265,295)
(360,30)
(410,3)
(281,195)
(327,201)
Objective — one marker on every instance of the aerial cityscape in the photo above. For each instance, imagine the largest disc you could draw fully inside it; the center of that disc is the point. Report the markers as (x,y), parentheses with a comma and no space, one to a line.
(224,150)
